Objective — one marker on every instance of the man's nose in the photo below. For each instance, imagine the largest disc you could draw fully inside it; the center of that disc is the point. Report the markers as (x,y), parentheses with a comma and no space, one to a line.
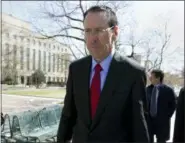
(92,39)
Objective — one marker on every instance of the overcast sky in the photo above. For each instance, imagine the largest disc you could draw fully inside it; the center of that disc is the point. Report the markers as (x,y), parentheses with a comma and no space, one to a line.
(146,14)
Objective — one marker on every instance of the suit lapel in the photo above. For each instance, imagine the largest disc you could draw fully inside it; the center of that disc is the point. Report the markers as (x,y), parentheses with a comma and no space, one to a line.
(84,84)
(109,86)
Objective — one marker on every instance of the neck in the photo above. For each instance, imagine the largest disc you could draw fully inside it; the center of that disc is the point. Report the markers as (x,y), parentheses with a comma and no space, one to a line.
(101,59)
(157,83)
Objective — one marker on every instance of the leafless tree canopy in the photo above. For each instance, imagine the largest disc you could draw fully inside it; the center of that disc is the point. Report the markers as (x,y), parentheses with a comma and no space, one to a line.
(155,43)
(66,25)
(67,21)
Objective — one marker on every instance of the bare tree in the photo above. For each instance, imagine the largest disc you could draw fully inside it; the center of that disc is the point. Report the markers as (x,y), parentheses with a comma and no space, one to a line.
(67,20)
(133,42)
(164,37)
(155,45)
(133,39)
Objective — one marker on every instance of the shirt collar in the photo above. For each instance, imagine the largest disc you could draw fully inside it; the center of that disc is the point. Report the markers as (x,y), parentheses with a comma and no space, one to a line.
(105,63)
(158,85)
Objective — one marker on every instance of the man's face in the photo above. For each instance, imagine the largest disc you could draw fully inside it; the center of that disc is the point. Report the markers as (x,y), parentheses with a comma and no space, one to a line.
(153,79)
(98,35)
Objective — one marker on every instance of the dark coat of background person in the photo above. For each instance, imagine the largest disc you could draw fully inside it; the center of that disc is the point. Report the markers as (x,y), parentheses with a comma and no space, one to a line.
(2,119)
(165,109)
(120,113)
(179,119)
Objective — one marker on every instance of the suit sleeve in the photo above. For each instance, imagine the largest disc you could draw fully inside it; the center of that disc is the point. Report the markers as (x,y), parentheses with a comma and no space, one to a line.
(68,116)
(139,126)
(179,119)
(144,96)
(172,102)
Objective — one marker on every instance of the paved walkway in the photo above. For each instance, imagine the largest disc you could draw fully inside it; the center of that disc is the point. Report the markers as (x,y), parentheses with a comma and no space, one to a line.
(16,103)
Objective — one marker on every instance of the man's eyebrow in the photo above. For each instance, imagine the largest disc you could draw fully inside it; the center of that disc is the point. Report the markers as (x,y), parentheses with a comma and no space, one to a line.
(94,28)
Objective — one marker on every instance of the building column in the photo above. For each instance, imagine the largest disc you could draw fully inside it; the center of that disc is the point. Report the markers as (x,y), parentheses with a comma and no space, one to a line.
(25,80)
(18,79)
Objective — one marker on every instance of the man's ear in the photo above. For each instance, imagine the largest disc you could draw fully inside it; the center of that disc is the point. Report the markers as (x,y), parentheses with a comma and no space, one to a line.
(116,30)
(115,33)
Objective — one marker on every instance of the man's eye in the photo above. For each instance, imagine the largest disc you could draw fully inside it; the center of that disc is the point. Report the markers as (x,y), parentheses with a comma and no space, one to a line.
(87,30)
(98,30)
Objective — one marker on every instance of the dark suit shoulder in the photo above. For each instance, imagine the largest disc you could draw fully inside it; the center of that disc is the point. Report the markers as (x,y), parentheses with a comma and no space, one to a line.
(132,63)
(167,87)
(182,91)
(80,61)
(181,94)
(134,67)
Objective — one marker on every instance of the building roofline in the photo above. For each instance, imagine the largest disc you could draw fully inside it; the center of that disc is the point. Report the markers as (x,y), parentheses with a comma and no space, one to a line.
(33,33)
(4,13)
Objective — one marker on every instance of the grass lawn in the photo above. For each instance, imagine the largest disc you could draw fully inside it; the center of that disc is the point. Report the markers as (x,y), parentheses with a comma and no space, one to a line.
(52,93)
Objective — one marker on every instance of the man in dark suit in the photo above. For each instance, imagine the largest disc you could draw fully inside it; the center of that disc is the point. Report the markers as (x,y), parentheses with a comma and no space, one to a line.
(105,91)
(179,119)
(162,103)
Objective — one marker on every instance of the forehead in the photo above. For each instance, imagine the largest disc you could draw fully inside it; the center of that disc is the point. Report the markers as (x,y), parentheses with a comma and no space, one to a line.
(95,20)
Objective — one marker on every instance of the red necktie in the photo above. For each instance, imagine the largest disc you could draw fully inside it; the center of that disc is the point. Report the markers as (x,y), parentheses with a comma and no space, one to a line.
(95,89)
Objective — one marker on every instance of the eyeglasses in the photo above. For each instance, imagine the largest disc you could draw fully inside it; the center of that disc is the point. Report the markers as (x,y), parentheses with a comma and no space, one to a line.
(97,31)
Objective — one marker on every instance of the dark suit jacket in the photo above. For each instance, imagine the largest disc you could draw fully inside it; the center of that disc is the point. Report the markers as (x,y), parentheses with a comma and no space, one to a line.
(165,109)
(120,113)
(179,119)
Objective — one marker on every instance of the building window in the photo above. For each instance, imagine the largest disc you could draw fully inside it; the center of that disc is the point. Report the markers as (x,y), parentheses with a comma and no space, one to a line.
(7,55)
(39,43)
(44,65)
(34,59)
(61,62)
(49,79)
(15,37)
(28,80)
(28,58)
(28,40)
(7,35)
(22,38)
(58,59)
(22,79)
(39,65)
(53,62)
(54,47)
(65,64)
(49,46)
(14,56)
(7,49)
(58,48)
(33,42)
(44,44)
(49,62)
(22,57)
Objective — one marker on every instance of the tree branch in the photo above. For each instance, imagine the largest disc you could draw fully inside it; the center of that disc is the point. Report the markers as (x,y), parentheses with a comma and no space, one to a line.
(81,8)
(74,19)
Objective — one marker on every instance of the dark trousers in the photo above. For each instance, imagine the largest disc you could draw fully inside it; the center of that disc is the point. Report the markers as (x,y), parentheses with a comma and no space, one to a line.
(153,127)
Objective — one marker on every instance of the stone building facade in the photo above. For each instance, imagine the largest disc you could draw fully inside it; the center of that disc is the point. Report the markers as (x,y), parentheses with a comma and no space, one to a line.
(23,52)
